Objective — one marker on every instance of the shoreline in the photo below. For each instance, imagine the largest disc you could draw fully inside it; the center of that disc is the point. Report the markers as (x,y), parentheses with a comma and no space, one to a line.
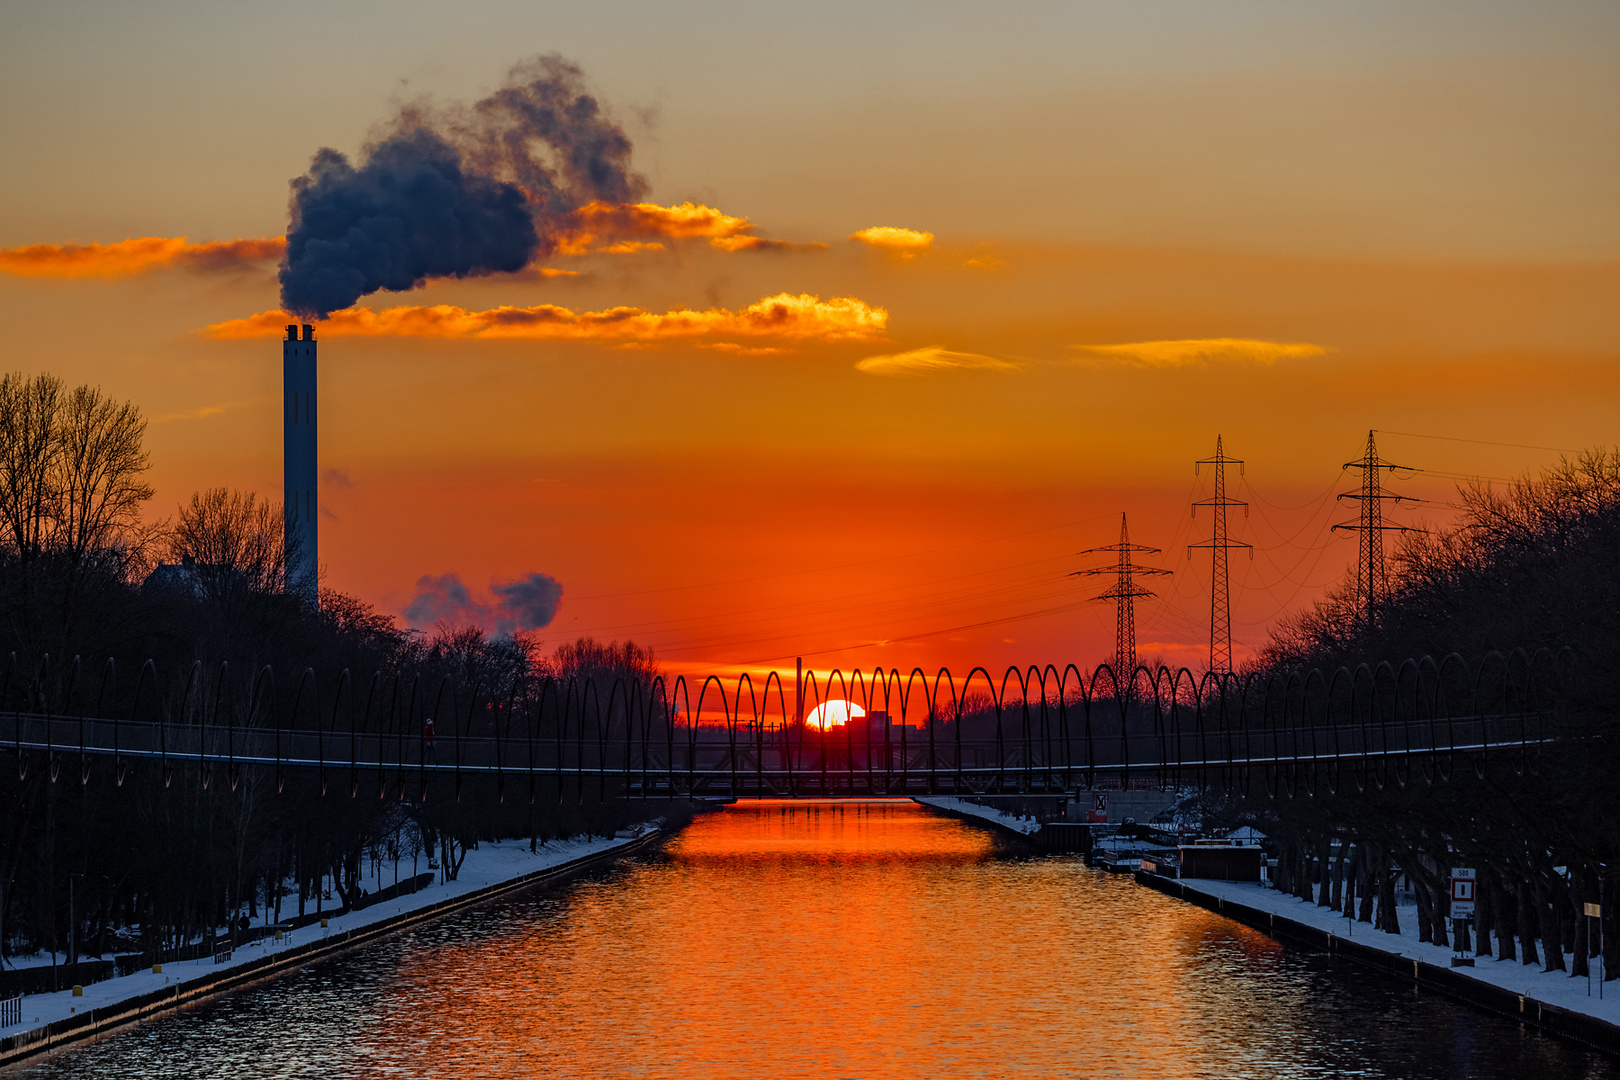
(115,1003)
(1507,988)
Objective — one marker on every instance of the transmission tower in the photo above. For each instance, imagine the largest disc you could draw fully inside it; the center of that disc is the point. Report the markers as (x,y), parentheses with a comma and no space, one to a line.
(1372,583)
(1219,543)
(1124,594)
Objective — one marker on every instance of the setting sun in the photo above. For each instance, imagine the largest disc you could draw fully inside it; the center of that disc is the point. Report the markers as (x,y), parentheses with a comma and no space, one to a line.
(832,714)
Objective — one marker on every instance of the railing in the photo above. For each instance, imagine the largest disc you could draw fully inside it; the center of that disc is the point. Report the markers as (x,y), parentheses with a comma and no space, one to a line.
(1036,732)
(11,1011)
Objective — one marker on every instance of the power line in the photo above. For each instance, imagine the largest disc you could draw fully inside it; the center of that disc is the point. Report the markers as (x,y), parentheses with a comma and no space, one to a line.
(1481,442)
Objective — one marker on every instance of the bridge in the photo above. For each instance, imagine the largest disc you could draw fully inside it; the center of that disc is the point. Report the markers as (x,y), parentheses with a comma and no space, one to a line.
(1034,731)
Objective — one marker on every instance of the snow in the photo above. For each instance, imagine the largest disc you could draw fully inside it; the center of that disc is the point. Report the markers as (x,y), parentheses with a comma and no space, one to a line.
(1549,987)
(1023,826)
(488,864)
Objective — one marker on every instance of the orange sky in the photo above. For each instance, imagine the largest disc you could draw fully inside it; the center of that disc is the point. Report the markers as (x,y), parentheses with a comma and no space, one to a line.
(867,447)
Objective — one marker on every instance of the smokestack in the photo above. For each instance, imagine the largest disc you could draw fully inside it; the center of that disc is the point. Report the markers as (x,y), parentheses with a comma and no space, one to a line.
(298,461)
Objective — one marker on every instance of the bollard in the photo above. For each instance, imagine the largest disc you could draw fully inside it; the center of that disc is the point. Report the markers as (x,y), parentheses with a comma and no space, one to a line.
(78,991)
(324,923)
(157,969)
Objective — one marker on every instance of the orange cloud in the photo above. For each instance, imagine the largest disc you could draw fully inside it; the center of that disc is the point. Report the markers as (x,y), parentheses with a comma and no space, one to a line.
(898,241)
(931,358)
(1169,354)
(785,317)
(136,255)
(614,228)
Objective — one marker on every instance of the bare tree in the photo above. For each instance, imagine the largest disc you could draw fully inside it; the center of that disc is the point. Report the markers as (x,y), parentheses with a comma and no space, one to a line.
(70,470)
(236,545)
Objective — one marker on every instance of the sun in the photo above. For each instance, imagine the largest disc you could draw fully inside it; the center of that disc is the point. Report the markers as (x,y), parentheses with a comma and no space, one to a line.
(833,713)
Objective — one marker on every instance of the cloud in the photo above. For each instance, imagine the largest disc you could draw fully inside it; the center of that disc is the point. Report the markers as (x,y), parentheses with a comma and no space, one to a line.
(201,413)
(931,358)
(898,241)
(137,255)
(528,603)
(1168,354)
(615,228)
(762,243)
(781,317)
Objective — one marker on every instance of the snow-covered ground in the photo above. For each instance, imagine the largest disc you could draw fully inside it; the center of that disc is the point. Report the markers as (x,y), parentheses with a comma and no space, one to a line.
(1548,987)
(1003,818)
(489,864)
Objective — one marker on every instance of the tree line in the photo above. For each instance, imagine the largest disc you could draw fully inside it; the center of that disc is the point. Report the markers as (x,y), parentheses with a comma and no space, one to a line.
(1522,585)
(92,588)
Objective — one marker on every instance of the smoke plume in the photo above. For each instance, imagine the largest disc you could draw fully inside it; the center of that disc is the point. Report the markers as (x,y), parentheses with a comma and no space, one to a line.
(528,603)
(454,192)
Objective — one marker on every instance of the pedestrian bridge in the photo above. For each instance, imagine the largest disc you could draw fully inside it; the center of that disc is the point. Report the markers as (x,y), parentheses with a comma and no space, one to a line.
(1034,731)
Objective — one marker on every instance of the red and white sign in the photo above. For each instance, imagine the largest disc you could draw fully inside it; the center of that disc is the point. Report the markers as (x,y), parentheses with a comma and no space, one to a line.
(1099,808)
(1462,892)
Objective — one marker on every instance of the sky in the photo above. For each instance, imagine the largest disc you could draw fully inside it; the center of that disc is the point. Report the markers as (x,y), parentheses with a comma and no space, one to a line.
(1025,264)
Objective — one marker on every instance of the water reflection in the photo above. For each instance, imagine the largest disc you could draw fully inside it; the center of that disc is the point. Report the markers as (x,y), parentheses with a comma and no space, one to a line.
(832,940)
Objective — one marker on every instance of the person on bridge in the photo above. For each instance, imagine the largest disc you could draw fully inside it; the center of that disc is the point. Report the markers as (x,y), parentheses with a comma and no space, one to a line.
(429,750)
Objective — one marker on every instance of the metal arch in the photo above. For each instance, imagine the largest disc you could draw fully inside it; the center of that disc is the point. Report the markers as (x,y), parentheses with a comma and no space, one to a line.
(1176,708)
(185,709)
(109,671)
(1164,719)
(1249,680)
(307,679)
(960,706)
(1001,751)
(354,748)
(1482,764)
(5,690)
(233,771)
(438,700)
(1066,734)
(1354,679)
(511,707)
(684,691)
(344,680)
(472,708)
(1451,660)
(39,695)
(1427,760)
(754,725)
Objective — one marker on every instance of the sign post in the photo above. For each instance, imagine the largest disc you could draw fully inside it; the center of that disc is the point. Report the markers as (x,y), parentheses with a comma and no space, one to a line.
(1595,911)
(1462,910)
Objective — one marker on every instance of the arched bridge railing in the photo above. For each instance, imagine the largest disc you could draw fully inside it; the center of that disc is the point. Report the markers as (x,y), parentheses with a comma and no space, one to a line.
(1034,730)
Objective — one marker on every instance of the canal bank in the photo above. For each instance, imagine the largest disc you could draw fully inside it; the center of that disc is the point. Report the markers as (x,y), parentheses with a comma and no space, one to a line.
(493,870)
(1549,1000)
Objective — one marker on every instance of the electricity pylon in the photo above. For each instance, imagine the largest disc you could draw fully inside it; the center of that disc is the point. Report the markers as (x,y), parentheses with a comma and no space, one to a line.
(1124,594)
(1219,543)
(1372,583)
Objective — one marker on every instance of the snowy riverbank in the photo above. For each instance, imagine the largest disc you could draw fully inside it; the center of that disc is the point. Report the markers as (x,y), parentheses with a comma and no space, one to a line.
(989,814)
(1523,990)
(491,869)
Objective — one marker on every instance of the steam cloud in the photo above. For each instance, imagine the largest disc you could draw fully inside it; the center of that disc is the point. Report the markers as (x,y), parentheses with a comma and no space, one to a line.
(457,192)
(528,603)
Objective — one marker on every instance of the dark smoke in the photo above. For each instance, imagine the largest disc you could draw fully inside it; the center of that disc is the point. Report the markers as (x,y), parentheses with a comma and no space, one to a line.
(453,192)
(528,603)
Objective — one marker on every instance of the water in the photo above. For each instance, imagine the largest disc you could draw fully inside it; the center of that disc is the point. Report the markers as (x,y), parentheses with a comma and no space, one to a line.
(832,940)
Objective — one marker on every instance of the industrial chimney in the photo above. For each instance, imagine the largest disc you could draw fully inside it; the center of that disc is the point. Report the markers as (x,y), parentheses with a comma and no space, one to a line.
(298,461)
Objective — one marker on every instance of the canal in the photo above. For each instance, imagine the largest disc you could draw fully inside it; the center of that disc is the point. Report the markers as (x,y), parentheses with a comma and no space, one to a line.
(868,940)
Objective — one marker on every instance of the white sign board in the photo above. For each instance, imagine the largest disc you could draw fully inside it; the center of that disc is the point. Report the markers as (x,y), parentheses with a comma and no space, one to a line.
(1462,893)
